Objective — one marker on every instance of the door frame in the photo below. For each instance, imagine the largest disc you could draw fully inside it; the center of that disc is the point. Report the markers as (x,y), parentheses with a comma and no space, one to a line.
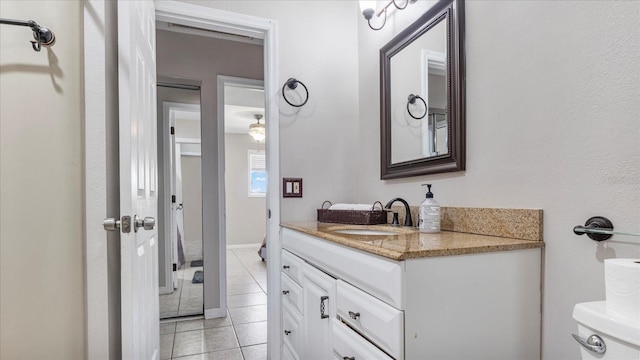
(221,81)
(99,53)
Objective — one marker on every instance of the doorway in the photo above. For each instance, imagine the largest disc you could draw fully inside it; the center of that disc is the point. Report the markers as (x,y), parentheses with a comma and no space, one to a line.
(180,257)
(105,332)
(201,55)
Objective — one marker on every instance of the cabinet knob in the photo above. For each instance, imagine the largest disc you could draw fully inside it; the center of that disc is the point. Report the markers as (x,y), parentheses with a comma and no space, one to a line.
(287,332)
(285,292)
(348,358)
(354,315)
(285,267)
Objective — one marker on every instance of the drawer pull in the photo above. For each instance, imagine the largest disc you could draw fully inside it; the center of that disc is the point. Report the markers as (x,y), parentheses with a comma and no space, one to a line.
(322,307)
(348,358)
(285,292)
(353,315)
(287,332)
(286,267)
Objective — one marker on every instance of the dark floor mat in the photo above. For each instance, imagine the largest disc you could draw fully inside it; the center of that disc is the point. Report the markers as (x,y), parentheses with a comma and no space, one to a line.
(196,263)
(198,277)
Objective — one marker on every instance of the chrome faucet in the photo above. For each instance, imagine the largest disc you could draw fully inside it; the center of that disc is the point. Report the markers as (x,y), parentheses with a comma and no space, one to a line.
(407,218)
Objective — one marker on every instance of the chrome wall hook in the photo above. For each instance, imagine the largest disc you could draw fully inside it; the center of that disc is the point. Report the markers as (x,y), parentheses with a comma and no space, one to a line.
(42,35)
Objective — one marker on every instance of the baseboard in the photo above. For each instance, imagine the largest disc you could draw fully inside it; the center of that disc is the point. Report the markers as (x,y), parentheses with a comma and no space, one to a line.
(244,246)
(214,313)
(165,290)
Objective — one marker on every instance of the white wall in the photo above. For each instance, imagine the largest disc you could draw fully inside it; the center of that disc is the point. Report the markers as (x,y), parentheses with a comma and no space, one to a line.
(246,220)
(553,122)
(42,297)
(318,43)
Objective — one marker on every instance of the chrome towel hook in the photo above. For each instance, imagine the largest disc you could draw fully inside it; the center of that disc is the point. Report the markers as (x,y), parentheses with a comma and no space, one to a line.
(42,35)
(412,100)
(292,84)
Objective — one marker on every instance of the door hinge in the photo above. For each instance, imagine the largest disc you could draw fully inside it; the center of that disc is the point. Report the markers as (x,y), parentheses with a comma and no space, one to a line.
(175,267)
(173,130)
(173,199)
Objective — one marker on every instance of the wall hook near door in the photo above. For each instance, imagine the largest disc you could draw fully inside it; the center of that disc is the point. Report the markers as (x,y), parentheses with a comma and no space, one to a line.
(292,84)
(43,36)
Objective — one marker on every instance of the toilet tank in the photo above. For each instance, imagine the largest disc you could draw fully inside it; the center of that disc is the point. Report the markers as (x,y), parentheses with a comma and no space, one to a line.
(621,336)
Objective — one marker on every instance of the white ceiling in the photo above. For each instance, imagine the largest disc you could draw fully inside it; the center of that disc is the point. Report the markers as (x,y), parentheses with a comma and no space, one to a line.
(240,104)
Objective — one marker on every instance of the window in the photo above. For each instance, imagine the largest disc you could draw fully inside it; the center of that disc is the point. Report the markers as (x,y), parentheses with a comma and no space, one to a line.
(257,174)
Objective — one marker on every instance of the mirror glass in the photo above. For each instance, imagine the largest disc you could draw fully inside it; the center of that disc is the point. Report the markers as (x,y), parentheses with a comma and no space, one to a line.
(419,128)
(422,95)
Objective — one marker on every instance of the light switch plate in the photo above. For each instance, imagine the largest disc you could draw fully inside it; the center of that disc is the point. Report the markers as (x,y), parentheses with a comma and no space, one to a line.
(291,187)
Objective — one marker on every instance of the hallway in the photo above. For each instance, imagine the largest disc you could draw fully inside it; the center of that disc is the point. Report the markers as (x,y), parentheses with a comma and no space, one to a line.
(240,336)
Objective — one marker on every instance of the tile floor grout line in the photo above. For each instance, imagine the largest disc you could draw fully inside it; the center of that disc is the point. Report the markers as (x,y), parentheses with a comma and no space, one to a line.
(246,268)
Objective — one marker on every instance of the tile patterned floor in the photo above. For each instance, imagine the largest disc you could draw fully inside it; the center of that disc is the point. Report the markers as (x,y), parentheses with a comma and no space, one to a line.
(240,336)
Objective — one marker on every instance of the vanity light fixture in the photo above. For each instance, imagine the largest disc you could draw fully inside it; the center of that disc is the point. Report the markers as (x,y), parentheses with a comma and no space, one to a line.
(368,9)
(257,130)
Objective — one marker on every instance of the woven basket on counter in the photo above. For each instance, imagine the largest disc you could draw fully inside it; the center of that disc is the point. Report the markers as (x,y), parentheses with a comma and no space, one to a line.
(355,217)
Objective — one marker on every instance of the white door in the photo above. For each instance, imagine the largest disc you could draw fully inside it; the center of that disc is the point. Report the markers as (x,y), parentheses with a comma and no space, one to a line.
(138,179)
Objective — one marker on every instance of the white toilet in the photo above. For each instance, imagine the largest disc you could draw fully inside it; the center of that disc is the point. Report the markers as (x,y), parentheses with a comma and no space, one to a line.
(606,335)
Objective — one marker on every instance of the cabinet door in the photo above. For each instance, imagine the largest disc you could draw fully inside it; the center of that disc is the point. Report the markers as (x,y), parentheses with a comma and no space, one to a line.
(319,292)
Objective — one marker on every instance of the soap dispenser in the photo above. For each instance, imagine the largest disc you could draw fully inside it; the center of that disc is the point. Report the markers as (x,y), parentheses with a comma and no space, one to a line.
(429,214)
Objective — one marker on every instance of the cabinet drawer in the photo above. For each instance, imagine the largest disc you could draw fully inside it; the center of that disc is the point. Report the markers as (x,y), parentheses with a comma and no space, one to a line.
(379,322)
(291,293)
(347,344)
(292,266)
(291,326)
(381,277)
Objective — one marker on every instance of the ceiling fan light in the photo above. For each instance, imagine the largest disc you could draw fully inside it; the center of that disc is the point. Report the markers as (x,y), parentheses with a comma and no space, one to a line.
(257,132)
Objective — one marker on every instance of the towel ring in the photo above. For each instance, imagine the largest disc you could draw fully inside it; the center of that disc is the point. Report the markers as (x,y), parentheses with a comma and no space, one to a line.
(412,100)
(292,84)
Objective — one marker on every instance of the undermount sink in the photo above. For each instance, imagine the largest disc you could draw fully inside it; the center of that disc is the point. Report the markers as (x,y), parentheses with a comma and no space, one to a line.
(366,232)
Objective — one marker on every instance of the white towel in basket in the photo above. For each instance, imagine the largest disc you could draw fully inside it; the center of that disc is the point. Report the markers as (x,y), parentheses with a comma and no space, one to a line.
(353,207)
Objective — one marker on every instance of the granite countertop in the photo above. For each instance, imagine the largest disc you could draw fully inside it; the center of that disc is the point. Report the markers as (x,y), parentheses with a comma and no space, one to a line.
(409,242)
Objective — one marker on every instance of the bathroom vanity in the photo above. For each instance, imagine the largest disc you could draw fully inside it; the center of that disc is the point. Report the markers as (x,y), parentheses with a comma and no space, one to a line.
(381,292)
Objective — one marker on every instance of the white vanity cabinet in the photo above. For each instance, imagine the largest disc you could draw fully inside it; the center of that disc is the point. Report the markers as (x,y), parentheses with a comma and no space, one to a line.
(474,306)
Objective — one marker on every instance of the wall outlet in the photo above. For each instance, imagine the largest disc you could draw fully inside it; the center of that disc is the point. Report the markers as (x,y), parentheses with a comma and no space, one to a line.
(291,187)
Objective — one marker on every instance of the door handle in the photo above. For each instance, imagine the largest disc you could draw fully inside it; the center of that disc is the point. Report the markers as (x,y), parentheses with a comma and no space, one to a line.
(594,343)
(148,223)
(112,224)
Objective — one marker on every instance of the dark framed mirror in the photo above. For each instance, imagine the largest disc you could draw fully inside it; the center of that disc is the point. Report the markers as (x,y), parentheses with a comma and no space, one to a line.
(422,95)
